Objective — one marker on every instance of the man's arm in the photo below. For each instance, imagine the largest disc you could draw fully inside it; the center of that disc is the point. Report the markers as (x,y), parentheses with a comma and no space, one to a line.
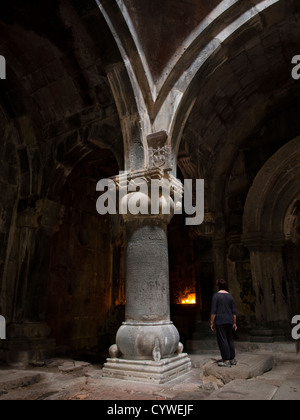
(212,321)
(234,323)
(213,312)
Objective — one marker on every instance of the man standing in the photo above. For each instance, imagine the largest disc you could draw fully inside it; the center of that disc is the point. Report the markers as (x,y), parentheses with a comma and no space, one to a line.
(223,316)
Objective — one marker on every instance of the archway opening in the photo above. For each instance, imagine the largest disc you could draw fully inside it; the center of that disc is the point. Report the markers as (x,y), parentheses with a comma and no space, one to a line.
(80,292)
(291,254)
(271,233)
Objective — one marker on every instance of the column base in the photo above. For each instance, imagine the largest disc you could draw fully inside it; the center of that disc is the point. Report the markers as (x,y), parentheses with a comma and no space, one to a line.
(148,371)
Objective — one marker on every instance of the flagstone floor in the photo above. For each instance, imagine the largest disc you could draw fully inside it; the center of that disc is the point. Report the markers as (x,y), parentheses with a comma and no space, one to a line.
(64,379)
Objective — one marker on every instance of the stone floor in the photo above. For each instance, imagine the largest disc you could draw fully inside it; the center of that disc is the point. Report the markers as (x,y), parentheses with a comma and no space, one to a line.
(251,379)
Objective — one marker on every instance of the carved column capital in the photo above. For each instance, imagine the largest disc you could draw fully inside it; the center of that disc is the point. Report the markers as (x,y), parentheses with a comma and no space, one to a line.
(152,193)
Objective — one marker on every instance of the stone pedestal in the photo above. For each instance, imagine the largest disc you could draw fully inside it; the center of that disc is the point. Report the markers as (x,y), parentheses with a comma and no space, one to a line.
(148,345)
(148,371)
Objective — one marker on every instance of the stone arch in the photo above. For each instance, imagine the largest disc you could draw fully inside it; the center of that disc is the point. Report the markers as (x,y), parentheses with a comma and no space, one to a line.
(273,192)
(19,186)
(291,253)
(84,256)
(237,126)
(10,176)
(266,214)
(128,88)
(218,43)
(292,221)
(78,145)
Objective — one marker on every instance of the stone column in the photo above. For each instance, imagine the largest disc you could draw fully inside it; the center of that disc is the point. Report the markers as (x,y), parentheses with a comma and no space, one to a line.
(147,344)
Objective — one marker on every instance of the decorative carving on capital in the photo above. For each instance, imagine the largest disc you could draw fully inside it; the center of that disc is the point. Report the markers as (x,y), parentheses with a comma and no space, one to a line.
(152,193)
(160,158)
(160,152)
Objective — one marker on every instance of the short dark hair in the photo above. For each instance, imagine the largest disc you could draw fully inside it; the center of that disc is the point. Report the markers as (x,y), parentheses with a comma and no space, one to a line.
(222,284)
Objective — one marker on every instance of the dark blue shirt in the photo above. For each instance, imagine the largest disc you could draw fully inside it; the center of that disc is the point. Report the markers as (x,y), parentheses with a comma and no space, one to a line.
(224,308)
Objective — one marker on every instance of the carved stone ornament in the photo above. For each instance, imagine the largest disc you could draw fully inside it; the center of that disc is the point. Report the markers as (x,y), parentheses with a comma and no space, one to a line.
(160,153)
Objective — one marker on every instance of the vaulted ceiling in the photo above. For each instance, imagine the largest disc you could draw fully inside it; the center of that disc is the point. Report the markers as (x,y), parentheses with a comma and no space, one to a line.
(216,75)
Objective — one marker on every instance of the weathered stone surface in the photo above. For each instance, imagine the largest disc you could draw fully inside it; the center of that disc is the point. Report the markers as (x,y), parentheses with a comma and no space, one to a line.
(249,366)
(89,383)
(10,380)
(289,389)
(70,366)
(244,390)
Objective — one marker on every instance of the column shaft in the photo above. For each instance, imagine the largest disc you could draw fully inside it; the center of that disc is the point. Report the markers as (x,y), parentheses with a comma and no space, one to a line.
(147,272)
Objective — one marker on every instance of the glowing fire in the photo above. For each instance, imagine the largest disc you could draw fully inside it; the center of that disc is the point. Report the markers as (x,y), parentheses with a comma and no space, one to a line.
(190,299)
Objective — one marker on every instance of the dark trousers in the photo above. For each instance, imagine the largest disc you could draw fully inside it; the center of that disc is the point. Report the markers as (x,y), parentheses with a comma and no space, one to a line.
(225,341)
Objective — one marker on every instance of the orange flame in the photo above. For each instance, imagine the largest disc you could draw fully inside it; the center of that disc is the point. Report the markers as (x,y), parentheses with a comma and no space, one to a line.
(189,300)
